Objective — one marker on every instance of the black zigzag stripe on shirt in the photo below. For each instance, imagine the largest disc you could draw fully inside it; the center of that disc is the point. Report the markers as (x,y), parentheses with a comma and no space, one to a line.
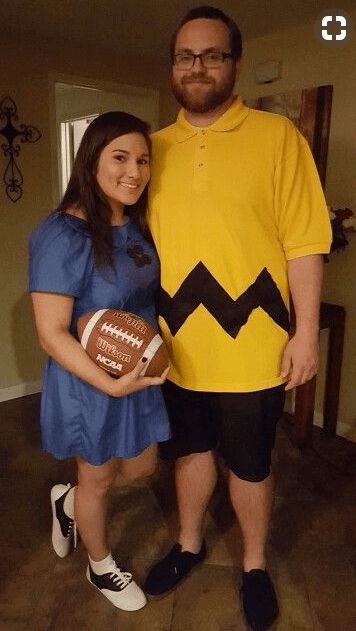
(200,287)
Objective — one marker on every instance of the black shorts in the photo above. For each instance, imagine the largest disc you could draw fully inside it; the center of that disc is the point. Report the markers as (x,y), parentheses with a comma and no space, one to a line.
(240,426)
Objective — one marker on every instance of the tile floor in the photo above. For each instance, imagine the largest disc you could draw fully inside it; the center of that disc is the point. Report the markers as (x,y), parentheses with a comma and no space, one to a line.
(312,548)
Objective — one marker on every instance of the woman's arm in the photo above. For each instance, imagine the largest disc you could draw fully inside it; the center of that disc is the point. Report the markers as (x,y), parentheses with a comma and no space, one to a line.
(53,313)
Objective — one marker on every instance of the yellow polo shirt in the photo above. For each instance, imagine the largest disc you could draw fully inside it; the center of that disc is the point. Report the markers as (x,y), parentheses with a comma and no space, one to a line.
(230,204)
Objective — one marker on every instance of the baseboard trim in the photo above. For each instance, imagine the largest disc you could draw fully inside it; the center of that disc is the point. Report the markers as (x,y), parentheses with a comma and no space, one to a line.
(346,430)
(20,390)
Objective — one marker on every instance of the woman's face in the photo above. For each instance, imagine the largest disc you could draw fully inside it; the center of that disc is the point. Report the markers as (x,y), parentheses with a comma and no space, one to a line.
(124,170)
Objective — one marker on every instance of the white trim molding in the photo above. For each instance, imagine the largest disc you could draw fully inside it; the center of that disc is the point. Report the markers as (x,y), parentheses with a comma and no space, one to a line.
(20,390)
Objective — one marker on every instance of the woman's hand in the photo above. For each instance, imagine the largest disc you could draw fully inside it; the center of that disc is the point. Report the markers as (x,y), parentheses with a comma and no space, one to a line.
(135,380)
(53,313)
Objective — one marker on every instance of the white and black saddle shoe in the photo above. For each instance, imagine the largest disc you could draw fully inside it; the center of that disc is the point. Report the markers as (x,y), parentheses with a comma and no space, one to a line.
(118,586)
(64,532)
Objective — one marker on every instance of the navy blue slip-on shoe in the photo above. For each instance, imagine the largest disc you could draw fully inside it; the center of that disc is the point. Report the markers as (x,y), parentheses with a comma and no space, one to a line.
(172,569)
(259,600)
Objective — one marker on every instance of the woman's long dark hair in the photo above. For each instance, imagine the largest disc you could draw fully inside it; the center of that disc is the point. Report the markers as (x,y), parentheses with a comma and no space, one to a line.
(83,191)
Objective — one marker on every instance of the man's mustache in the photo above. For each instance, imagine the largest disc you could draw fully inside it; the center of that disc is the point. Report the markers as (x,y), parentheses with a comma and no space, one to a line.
(195,78)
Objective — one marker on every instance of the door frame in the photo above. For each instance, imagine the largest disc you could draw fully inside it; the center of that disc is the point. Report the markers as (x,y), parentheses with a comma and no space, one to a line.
(87,83)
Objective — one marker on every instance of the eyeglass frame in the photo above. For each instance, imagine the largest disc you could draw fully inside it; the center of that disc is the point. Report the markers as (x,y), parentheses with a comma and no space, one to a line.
(200,56)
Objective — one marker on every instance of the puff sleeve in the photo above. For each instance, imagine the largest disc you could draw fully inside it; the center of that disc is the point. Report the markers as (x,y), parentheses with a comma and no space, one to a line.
(60,256)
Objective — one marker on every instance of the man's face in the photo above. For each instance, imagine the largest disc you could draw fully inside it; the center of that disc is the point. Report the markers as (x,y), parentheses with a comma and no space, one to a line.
(200,89)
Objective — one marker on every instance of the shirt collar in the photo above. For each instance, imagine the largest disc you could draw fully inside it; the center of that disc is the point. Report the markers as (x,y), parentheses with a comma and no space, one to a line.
(236,113)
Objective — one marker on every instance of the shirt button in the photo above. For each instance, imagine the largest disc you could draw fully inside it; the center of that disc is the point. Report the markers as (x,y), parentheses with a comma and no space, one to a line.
(202,146)
(203,132)
(200,164)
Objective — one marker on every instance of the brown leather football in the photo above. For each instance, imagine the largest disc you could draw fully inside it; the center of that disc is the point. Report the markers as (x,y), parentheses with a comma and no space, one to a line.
(116,340)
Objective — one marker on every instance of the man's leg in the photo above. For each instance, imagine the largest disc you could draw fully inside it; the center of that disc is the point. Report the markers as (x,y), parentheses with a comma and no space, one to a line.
(195,481)
(252,503)
(195,435)
(247,438)
(246,441)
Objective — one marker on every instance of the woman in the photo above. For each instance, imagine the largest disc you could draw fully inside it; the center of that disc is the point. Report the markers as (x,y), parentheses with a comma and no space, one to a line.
(93,252)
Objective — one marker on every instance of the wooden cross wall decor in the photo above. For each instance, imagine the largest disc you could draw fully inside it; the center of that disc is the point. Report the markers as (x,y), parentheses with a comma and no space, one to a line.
(27,133)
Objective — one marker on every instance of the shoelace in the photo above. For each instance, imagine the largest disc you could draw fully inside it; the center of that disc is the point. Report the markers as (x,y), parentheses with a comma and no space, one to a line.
(72,526)
(122,579)
(72,531)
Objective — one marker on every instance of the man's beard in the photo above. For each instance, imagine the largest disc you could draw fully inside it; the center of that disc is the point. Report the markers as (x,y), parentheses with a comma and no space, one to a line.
(202,103)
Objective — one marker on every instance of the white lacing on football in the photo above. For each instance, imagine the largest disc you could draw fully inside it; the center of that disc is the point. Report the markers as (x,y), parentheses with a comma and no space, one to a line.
(119,333)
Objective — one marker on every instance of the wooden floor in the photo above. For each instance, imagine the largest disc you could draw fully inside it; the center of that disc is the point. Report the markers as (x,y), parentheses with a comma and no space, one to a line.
(312,549)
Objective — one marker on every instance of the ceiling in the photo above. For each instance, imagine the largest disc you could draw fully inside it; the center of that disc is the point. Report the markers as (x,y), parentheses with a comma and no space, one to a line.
(145,25)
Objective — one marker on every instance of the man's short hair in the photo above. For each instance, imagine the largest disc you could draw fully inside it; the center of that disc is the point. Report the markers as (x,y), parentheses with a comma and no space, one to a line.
(211,13)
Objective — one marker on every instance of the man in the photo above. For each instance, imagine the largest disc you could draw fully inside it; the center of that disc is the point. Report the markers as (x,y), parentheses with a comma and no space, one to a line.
(239,219)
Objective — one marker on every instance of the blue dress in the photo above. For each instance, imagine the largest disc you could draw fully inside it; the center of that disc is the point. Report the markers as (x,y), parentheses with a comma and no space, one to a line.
(77,419)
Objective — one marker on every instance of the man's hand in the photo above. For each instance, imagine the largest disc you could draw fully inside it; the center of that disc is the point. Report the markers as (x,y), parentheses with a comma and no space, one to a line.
(300,359)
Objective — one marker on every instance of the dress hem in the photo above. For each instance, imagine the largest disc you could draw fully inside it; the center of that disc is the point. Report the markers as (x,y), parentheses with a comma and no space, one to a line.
(98,462)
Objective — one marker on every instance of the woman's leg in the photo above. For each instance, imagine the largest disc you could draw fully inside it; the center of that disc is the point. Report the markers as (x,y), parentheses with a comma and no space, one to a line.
(86,504)
(90,508)
(90,505)
(141,466)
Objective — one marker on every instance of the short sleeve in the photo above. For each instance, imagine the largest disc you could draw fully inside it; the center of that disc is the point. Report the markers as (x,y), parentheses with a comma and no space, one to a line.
(301,211)
(60,256)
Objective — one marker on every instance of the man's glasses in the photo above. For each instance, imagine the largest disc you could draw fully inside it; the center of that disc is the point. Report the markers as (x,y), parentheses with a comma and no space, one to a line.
(214,59)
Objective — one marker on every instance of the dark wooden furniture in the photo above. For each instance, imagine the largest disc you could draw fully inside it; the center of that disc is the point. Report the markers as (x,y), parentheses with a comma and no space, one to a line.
(332,317)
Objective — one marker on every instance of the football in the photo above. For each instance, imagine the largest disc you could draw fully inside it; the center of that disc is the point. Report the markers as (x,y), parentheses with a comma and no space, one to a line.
(116,340)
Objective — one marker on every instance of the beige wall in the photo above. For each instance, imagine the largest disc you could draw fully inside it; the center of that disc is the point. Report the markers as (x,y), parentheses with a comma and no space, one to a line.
(25,77)
(306,62)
